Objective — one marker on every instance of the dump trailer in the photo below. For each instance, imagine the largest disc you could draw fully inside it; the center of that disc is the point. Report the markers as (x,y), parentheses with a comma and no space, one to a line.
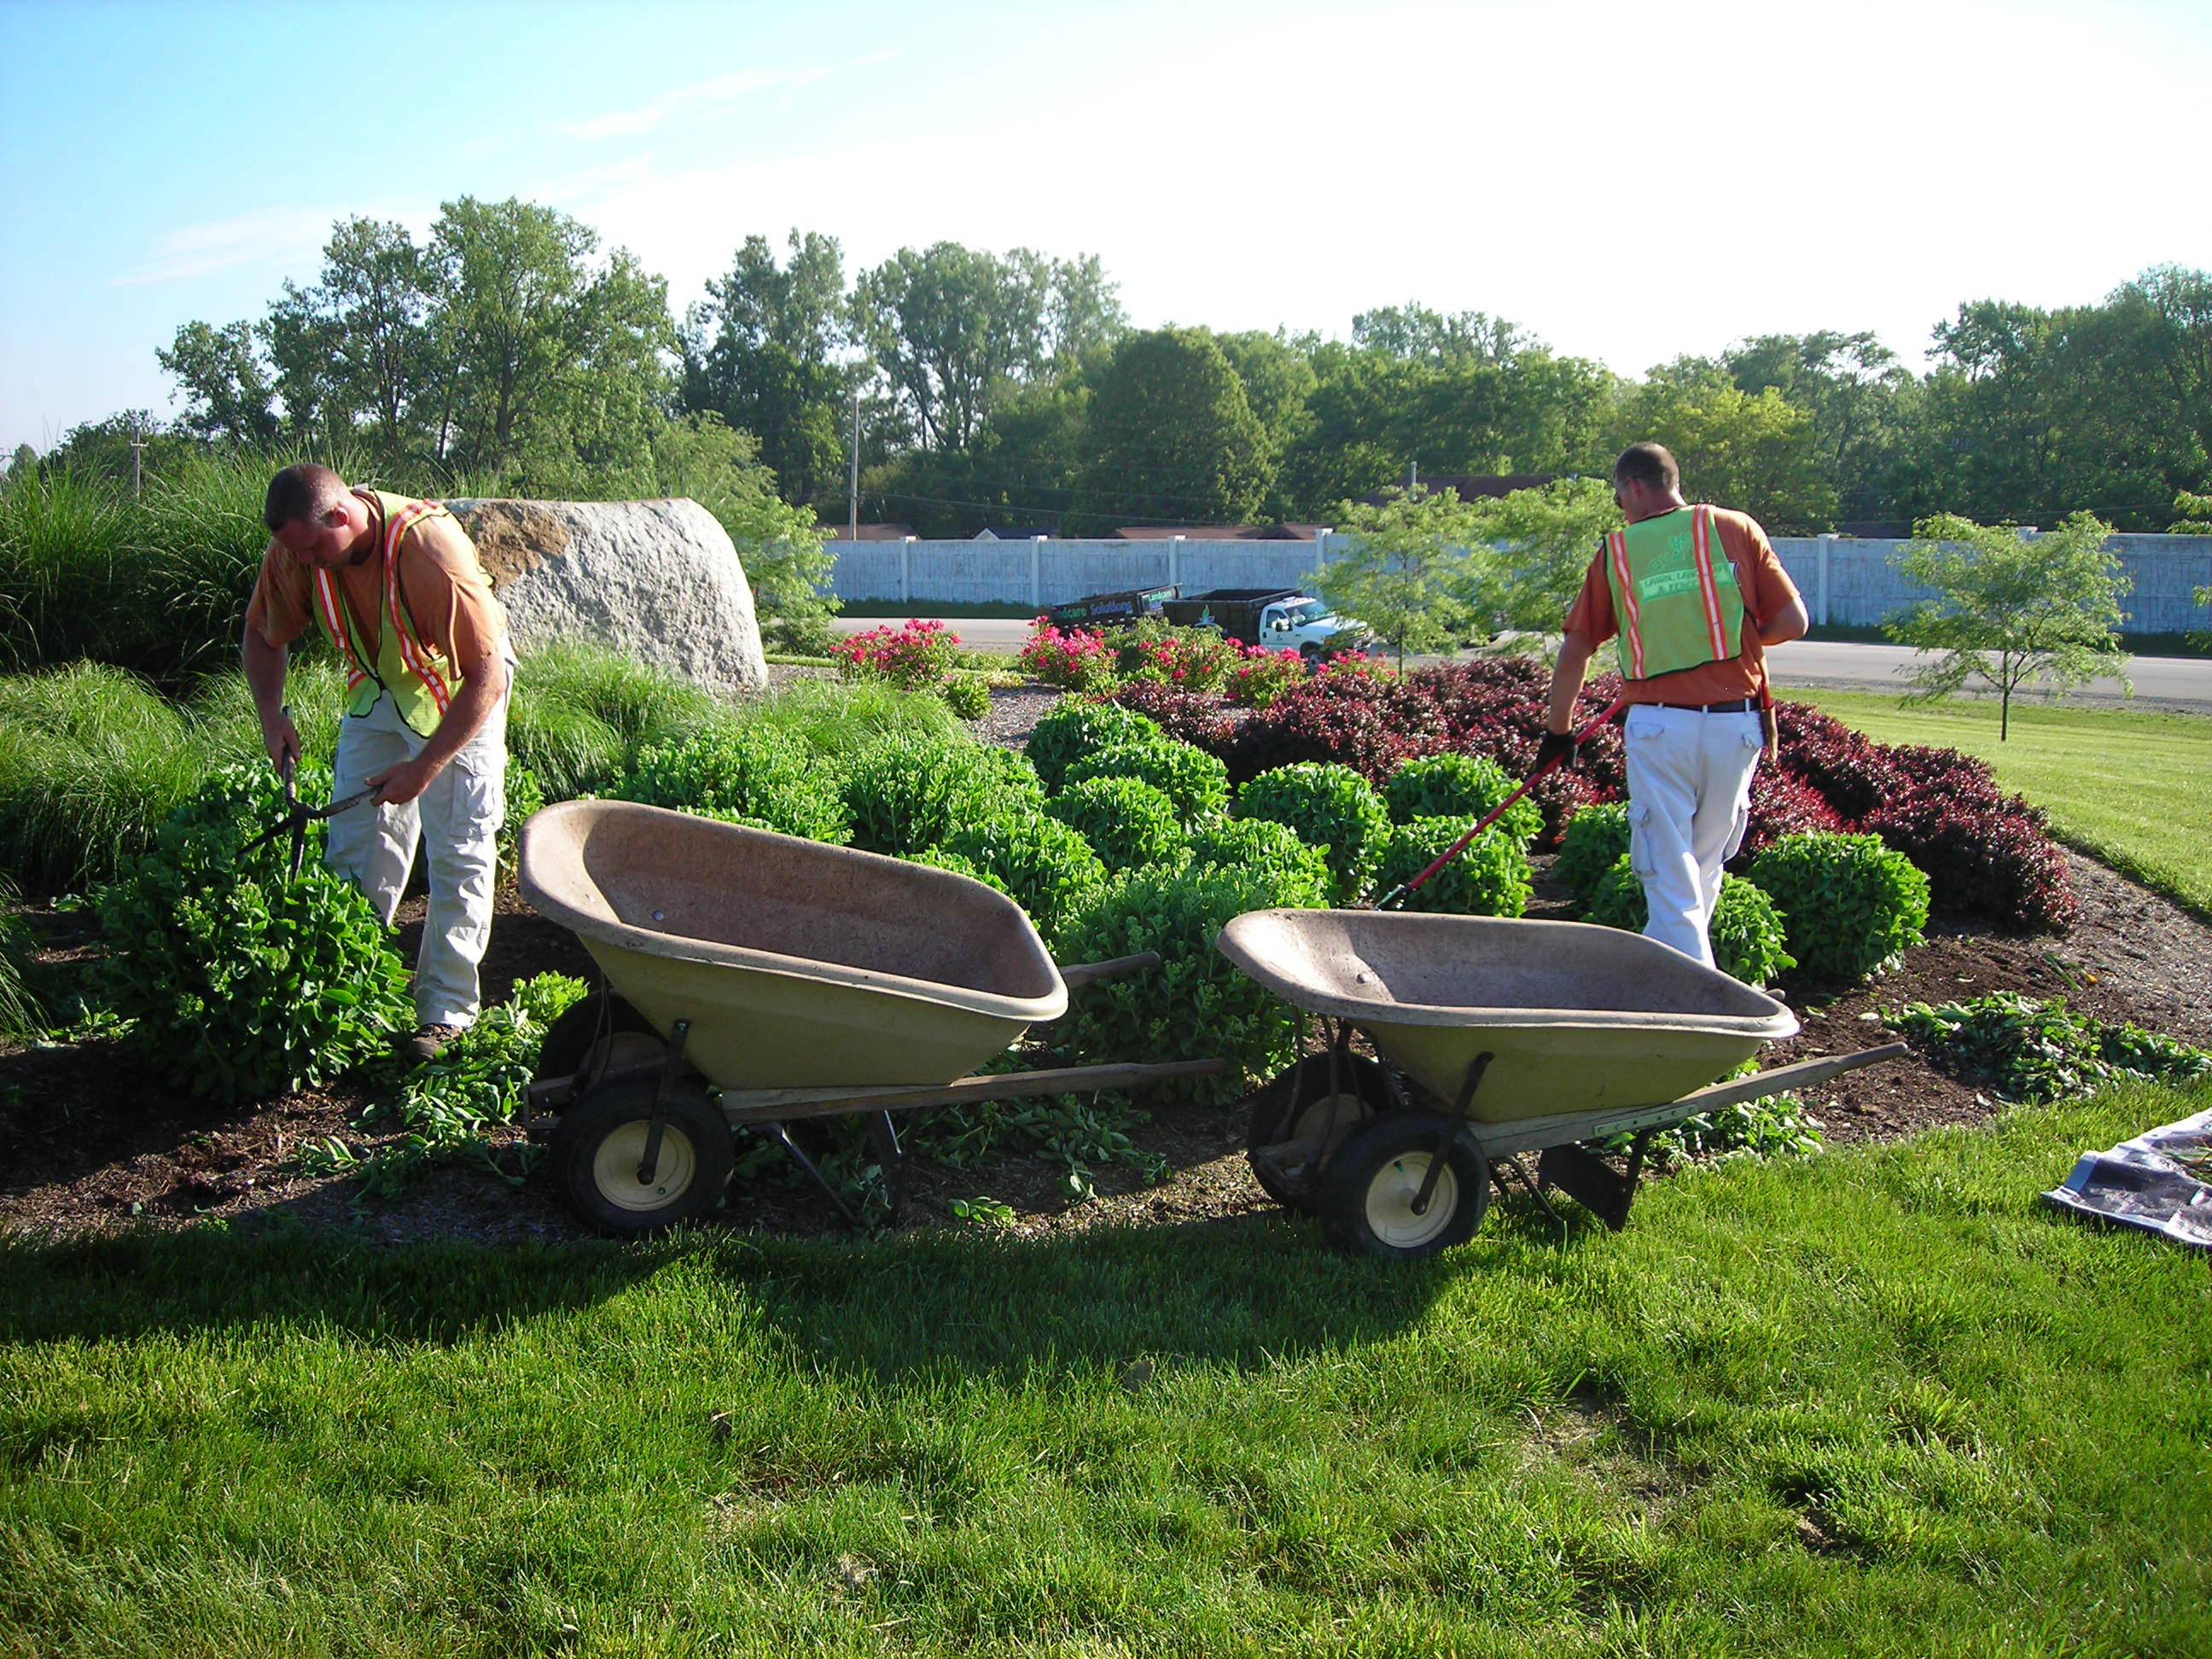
(1278,618)
(1105,610)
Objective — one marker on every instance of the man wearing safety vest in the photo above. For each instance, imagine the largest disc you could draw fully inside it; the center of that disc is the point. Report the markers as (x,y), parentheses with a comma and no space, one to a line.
(1695,594)
(395,587)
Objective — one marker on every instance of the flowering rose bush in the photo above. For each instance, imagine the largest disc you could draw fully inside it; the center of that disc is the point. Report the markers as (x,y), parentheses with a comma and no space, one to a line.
(1194,658)
(1260,675)
(1073,659)
(917,655)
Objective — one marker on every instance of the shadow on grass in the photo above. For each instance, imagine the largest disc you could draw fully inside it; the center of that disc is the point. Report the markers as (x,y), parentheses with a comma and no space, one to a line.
(1241,1290)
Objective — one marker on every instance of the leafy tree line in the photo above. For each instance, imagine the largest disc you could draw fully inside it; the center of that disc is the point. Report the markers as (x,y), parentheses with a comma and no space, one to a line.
(507,351)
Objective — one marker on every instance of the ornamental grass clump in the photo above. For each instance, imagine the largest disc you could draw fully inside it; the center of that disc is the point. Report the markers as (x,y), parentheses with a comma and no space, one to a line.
(1194,781)
(1195,1005)
(1046,866)
(838,722)
(1853,905)
(241,981)
(1467,787)
(1074,727)
(902,798)
(1490,877)
(757,774)
(579,714)
(1328,806)
(1749,935)
(1129,824)
(1260,844)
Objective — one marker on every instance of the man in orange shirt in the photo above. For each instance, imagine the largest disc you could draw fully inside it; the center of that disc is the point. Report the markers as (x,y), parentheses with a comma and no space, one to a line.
(394,584)
(1695,595)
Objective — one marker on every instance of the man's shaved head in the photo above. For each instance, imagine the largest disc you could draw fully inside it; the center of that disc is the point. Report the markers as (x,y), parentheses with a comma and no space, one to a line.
(300,494)
(1648,464)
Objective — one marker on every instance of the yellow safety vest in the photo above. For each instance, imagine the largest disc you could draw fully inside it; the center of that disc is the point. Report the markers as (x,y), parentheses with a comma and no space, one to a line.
(420,678)
(1678,604)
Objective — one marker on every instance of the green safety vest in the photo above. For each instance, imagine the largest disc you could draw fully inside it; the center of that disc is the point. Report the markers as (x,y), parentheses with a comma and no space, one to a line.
(418,675)
(1674,594)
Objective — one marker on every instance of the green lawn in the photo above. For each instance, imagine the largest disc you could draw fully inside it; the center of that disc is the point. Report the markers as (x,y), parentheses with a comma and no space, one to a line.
(1881,1402)
(2133,788)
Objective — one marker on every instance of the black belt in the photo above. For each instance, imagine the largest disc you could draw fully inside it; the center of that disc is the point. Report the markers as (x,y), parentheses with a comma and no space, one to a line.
(1737,706)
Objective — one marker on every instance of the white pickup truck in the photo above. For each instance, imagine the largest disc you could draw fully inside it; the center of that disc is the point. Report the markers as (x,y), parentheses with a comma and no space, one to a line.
(1279,619)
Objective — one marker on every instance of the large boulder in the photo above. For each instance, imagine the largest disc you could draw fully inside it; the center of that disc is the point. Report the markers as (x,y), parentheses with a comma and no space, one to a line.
(657,580)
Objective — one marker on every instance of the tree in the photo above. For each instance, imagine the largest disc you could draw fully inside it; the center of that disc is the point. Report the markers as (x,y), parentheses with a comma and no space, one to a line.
(778,545)
(1409,571)
(1172,435)
(1415,333)
(1544,538)
(367,322)
(1755,452)
(1862,400)
(2010,609)
(225,387)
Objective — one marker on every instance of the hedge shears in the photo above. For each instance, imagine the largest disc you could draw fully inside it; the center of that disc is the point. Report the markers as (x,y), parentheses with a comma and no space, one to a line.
(298,815)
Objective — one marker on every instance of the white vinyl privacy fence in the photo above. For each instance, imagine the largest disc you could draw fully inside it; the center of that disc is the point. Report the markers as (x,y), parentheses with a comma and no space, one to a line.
(1846,582)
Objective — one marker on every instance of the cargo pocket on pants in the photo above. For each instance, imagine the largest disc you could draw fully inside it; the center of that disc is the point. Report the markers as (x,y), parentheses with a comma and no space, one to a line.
(1639,841)
(1754,741)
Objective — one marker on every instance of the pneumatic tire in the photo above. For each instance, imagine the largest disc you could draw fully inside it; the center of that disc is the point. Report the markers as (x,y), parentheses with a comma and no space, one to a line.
(600,1143)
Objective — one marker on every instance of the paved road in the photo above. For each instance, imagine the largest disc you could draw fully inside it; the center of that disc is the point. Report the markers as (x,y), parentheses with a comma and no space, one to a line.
(2182,683)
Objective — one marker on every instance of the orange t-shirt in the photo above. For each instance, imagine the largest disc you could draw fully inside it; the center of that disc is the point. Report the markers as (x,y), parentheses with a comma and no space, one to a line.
(1766,588)
(440,579)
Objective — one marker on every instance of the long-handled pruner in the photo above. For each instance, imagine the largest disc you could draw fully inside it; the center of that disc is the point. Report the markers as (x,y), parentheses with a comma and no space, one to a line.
(297,816)
(1404,891)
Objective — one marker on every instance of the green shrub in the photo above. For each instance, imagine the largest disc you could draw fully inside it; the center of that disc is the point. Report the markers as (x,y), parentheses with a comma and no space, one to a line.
(1260,844)
(903,797)
(1747,931)
(1462,787)
(1490,878)
(937,859)
(1047,866)
(1071,728)
(581,714)
(1195,1005)
(1593,841)
(756,773)
(242,983)
(967,696)
(1194,781)
(1129,824)
(1331,807)
(2040,1051)
(1853,905)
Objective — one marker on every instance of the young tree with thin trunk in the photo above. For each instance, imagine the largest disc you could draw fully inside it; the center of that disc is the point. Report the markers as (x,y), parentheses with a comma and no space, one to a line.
(1409,569)
(2011,609)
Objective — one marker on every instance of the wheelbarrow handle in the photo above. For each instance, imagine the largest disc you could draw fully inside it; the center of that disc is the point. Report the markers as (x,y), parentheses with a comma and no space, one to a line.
(1077,974)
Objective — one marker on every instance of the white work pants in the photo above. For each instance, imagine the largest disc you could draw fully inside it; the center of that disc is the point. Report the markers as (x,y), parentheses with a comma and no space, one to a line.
(1689,796)
(457,818)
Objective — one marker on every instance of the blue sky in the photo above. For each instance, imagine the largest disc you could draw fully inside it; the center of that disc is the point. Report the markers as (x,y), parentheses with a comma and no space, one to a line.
(1237,165)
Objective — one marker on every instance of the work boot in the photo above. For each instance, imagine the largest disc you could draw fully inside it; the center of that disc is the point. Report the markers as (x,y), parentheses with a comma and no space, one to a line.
(425,1043)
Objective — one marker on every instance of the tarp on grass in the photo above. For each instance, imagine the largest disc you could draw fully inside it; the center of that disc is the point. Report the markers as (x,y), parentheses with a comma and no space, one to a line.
(2161,1181)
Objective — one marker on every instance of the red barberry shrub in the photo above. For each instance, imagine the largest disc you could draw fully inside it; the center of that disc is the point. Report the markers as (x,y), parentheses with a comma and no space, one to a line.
(1783,804)
(1987,856)
(1197,718)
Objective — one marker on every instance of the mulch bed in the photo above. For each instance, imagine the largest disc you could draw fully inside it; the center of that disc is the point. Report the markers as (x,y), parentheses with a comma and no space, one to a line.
(89,1141)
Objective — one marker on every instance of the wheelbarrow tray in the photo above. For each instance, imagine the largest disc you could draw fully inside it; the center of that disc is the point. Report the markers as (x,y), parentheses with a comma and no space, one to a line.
(799,965)
(1576,1018)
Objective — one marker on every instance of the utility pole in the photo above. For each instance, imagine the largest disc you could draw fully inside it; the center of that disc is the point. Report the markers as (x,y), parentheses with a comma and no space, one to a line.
(852,487)
(137,465)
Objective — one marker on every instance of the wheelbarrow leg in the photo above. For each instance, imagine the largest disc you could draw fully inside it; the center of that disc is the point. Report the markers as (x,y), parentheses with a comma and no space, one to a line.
(1428,1188)
(783,1133)
(882,1135)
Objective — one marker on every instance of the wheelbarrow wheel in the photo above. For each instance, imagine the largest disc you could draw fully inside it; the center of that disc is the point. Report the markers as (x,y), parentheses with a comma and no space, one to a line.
(1368,1194)
(1298,1105)
(600,1144)
(573,1042)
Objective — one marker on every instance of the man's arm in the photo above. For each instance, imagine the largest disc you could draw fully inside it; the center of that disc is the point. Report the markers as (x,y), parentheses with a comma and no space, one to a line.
(264,678)
(1789,622)
(483,684)
(1576,650)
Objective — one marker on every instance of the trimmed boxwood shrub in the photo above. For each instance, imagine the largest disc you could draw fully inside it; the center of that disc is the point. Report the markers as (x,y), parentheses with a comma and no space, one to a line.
(1074,727)
(1195,1005)
(1462,787)
(1490,878)
(756,773)
(1197,783)
(243,981)
(1748,933)
(1260,844)
(905,796)
(937,859)
(1331,807)
(1129,824)
(1594,839)
(1853,904)
(1047,867)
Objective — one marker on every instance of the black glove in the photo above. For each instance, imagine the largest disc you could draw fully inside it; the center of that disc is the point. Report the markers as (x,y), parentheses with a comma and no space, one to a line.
(1560,747)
